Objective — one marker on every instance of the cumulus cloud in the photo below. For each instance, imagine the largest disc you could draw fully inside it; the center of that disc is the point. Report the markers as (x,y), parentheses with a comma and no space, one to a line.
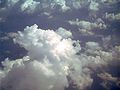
(109,2)
(112,16)
(52,62)
(23,74)
(99,23)
(7,36)
(94,6)
(108,80)
(11,2)
(64,33)
(49,60)
(93,46)
(86,27)
(107,76)
(29,6)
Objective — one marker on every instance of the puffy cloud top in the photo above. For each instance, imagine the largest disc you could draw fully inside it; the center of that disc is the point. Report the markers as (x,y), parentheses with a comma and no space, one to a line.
(47,65)
(52,62)
(29,6)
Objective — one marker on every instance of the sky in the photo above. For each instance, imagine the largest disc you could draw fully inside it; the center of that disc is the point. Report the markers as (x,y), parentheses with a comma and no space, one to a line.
(59,44)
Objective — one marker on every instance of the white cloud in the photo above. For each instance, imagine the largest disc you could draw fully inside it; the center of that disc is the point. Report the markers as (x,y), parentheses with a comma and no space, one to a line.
(106,41)
(116,52)
(49,62)
(108,80)
(29,6)
(93,46)
(86,27)
(39,39)
(95,59)
(94,6)
(99,23)
(52,56)
(107,77)
(109,2)
(64,33)
(7,36)
(12,2)
(29,75)
(112,16)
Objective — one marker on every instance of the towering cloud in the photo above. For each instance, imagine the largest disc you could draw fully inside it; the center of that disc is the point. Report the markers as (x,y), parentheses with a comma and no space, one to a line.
(52,63)
(47,65)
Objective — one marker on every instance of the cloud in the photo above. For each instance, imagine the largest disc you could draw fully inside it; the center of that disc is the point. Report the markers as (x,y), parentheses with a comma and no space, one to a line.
(99,23)
(64,33)
(38,38)
(112,16)
(11,2)
(32,6)
(29,6)
(52,62)
(107,76)
(94,6)
(108,80)
(86,27)
(31,75)
(109,2)
(7,36)
(93,46)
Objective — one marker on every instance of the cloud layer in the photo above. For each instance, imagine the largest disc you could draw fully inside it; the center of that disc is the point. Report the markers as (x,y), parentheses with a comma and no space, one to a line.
(81,42)
(52,62)
(30,6)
